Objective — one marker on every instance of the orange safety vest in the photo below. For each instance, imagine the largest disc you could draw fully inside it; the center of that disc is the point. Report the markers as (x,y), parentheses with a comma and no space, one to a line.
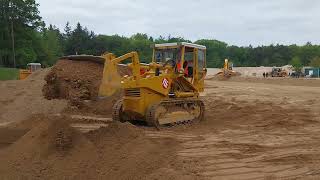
(142,71)
(185,69)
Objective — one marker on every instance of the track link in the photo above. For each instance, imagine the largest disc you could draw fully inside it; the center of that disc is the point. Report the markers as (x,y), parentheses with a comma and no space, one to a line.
(152,115)
(117,111)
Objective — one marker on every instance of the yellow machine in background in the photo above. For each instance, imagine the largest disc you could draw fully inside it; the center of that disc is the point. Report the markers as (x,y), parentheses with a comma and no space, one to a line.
(227,70)
(165,92)
(32,67)
(278,72)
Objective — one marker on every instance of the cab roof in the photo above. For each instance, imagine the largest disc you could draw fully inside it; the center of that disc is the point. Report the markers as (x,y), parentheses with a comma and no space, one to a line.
(33,64)
(181,44)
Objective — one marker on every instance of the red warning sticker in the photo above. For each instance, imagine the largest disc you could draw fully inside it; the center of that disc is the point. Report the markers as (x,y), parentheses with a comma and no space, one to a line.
(165,83)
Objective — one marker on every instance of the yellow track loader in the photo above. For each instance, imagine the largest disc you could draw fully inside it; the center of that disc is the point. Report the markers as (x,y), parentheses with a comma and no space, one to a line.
(278,72)
(227,70)
(161,93)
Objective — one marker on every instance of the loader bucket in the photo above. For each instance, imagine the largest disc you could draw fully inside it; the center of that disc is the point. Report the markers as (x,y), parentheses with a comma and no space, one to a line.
(111,79)
(110,82)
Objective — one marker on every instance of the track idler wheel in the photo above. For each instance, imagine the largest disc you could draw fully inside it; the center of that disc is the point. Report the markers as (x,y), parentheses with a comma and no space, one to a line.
(153,113)
(117,112)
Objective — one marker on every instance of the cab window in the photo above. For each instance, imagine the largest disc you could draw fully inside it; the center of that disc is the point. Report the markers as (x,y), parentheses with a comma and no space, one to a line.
(189,58)
(201,57)
(164,55)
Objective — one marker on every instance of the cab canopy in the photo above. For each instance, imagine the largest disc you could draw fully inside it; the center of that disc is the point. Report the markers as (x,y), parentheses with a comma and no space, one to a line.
(34,66)
(173,45)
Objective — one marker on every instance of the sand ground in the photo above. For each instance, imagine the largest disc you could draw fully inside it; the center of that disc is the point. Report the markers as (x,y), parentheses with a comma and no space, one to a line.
(253,129)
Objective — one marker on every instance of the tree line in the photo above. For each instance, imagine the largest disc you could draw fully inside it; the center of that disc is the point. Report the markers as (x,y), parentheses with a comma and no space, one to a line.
(25,38)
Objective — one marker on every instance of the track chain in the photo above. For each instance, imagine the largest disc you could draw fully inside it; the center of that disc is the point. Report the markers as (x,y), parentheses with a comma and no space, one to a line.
(117,110)
(152,121)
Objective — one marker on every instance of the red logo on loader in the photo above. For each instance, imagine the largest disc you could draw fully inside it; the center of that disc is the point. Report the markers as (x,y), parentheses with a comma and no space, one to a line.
(165,83)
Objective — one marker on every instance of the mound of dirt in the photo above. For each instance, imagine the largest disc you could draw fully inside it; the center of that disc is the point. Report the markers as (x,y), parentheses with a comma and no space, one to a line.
(54,150)
(220,77)
(73,80)
(21,99)
(78,82)
(47,147)
(115,132)
(50,135)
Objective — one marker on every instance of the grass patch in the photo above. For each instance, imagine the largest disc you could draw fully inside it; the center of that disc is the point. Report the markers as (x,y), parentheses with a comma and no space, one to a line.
(8,74)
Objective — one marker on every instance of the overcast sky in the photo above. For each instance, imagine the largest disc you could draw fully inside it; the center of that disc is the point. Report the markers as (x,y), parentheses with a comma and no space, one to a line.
(237,22)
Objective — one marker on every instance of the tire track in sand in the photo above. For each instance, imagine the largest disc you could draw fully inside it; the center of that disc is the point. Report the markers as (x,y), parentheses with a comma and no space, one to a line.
(242,155)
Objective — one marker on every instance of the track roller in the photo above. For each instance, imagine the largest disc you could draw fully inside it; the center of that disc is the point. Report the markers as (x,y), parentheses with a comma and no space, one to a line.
(172,112)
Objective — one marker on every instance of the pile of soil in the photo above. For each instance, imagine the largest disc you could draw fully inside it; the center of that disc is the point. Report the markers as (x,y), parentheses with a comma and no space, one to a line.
(54,150)
(42,151)
(78,82)
(220,77)
(115,132)
(21,99)
(73,80)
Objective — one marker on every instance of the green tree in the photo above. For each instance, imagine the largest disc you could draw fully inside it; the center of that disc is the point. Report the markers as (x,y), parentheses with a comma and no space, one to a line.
(67,30)
(51,45)
(142,44)
(80,41)
(315,62)
(297,64)
(24,38)
(19,22)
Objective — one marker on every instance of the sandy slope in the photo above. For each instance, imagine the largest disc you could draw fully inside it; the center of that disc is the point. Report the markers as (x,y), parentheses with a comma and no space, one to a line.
(20,99)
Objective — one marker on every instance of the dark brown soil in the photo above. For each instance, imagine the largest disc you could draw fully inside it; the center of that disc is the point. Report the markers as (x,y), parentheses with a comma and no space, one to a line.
(78,82)
(73,80)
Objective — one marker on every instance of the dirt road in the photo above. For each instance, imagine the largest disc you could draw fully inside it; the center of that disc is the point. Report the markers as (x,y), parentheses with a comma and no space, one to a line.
(253,129)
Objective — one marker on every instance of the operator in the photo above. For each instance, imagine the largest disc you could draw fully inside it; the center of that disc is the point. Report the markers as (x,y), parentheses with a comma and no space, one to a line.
(185,67)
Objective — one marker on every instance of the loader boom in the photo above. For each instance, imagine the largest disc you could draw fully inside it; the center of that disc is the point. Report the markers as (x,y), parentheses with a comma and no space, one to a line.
(111,79)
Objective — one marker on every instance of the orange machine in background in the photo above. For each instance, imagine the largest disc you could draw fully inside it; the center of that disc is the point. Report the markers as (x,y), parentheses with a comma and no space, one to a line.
(32,67)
